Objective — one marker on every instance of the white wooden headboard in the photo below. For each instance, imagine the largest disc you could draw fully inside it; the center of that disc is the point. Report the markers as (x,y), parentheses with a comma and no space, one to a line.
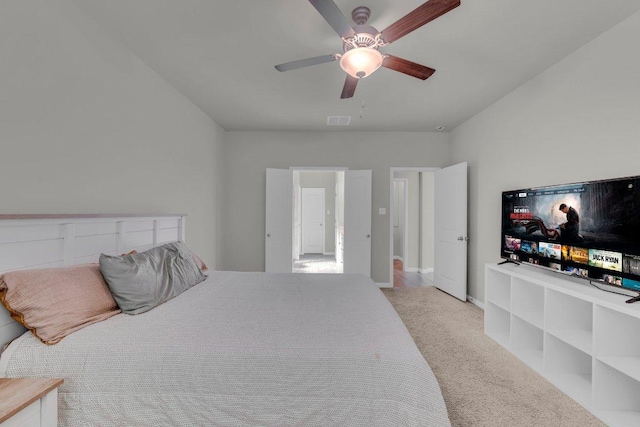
(46,241)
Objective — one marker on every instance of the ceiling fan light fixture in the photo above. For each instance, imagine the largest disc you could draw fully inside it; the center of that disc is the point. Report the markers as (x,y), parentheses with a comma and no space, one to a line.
(361,61)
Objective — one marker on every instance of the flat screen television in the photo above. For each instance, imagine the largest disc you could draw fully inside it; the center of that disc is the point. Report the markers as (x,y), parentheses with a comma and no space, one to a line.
(589,230)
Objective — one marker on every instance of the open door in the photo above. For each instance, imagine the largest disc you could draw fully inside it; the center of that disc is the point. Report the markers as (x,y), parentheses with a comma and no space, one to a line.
(450,256)
(357,222)
(279,216)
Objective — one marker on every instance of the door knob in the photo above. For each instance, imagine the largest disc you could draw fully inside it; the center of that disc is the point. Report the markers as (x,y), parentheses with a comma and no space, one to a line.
(268,235)
(368,235)
(460,238)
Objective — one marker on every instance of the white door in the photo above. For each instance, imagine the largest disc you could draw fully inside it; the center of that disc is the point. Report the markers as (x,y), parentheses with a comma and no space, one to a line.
(313,220)
(450,256)
(357,222)
(278,247)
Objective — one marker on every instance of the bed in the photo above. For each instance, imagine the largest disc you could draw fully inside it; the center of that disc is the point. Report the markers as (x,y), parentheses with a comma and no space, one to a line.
(236,349)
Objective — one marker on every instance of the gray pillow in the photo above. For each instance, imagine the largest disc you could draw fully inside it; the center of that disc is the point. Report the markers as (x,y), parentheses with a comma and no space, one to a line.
(142,281)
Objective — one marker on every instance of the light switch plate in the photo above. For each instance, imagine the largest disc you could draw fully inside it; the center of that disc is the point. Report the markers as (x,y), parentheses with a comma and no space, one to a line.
(382,211)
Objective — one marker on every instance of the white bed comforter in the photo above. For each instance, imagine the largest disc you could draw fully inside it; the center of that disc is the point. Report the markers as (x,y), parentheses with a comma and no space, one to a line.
(243,349)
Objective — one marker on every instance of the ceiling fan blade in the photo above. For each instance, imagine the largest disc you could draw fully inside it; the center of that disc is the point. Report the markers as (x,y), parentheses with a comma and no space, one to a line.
(349,87)
(416,19)
(306,62)
(407,67)
(332,14)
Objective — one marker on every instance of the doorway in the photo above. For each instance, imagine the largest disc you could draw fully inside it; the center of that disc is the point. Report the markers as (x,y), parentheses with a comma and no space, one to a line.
(412,227)
(352,239)
(318,203)
(439,240)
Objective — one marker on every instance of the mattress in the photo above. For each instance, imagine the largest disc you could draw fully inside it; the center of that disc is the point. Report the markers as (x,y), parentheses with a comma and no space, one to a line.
(243,349)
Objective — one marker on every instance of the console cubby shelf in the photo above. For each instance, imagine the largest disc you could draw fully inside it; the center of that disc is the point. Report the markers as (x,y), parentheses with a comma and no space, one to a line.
(583,340)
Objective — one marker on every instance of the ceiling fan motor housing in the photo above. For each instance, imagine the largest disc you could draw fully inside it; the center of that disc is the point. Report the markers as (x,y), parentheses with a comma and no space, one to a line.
(360,15)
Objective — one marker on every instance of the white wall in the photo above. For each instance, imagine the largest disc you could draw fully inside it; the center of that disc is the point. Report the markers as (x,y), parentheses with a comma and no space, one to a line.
(248,154)
(86,127)
(578,120)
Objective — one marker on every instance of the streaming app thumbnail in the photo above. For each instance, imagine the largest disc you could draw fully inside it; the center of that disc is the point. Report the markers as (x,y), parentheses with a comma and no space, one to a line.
(605,259)
(575,254)
(577,271)
(631,284)
(550,250)
(555,266)
(609,279)
(631,264)
(529,247)
(511,243)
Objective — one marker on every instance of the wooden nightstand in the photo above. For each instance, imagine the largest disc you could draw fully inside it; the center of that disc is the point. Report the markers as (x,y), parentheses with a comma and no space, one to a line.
(29,402)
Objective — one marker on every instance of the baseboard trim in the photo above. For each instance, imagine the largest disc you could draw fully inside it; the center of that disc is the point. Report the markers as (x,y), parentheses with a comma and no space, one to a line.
(328,253)
(475,302)
(418,270)
(384,285)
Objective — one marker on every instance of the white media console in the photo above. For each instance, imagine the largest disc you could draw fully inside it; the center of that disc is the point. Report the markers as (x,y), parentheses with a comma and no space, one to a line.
(583,340)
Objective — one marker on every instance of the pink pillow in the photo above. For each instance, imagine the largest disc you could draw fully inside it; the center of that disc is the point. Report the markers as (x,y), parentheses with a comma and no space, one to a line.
(56,302)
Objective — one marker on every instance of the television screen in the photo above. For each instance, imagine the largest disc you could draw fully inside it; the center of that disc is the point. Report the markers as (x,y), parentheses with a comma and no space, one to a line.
(590,230)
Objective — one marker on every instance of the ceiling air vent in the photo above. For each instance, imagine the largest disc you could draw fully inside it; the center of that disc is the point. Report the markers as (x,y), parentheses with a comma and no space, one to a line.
(338,120)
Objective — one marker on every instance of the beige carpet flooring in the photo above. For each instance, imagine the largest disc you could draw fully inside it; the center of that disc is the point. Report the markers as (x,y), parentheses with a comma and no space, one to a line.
(482,383)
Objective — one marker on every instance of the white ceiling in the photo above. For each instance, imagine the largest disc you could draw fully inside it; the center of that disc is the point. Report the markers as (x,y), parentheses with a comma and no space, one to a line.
(221,55)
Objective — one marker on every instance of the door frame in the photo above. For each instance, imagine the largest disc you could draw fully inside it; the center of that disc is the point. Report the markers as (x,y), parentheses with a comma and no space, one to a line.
(405,220)
(392,170)
(324,237)
(296,169)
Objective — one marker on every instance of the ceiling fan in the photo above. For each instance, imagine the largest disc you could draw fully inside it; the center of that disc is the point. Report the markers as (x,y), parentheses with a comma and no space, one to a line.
(361,43)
